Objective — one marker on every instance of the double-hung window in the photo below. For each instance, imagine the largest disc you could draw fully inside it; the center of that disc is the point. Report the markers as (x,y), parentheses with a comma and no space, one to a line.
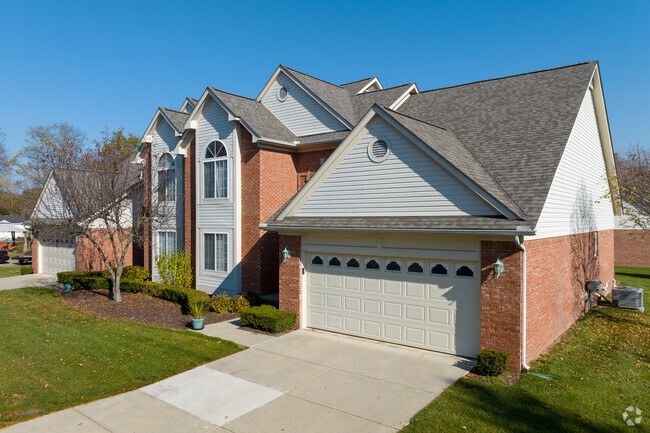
(166,178)
(215,171)
(215,252)
(166,242)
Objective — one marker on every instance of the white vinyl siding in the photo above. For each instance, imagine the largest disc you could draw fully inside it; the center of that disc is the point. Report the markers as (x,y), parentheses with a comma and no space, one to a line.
(51,204)
(408,182)
(576,202)
(216,215)
(301,113)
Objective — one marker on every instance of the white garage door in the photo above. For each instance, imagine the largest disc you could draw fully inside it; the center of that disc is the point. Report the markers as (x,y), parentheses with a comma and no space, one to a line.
(416,302)
(56,256)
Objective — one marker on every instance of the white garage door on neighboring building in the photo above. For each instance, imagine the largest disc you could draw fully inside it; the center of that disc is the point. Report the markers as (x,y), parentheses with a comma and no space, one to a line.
(56,256)
(430,304)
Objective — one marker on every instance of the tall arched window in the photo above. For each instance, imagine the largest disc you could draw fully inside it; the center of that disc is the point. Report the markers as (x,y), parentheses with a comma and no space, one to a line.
(215,171)
(166,178)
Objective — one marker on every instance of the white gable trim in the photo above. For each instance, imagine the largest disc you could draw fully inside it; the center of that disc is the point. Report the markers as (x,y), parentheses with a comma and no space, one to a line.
(154,125)
(605,138)
(186,103)
(282,69)
(347,144)
(412,90)
(370,84)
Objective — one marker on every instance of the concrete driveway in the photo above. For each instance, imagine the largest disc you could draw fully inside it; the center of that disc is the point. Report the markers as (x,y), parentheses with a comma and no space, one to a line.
(41,280)
(303,382)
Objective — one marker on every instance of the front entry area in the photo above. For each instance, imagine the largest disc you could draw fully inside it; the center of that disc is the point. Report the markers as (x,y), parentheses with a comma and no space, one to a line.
(427,303)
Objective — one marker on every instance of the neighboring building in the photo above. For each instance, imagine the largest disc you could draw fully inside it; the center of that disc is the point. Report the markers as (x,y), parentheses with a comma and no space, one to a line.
(632,243)
(15,220)
(395,204)
(53,251)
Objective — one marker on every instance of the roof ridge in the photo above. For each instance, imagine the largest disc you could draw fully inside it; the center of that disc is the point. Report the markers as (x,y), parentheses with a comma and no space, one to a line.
(177,111)
(311,76)
(510,76)
(233,94)
(385,88)
(357,81)
(416,119)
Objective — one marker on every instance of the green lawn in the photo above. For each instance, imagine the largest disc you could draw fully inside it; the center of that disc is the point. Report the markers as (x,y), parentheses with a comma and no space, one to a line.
(53,356)
(603,365)
(9,271)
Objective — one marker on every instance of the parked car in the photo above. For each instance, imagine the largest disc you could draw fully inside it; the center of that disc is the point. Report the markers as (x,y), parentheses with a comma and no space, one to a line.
(4,256)
(25,258)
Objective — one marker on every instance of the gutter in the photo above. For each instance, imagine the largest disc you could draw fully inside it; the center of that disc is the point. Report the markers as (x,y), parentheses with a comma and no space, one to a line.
(519,231)
(520,245)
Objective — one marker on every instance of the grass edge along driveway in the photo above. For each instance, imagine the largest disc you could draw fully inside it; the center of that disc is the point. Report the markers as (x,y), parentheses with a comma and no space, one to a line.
(55,357)
(603,365)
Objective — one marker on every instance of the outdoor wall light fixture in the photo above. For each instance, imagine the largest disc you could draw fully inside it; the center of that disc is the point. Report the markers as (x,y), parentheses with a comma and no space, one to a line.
(498,267)
(286,254)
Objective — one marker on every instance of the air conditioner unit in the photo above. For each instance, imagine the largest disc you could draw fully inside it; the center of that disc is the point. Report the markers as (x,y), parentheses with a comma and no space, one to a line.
(628,297)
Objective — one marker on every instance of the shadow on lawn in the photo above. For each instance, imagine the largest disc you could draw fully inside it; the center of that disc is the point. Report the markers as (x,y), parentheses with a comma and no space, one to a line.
(520,411)
(627,274)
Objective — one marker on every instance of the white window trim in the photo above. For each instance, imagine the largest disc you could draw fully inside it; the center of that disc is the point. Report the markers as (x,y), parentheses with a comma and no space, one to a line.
(432,264)
(228,252)
(316,264)
(421,263)
(457,266)
(388,261)
(375,139)
(337,258)
(347,259)
(365,264)
(157,240)
(159,169)
(229,165)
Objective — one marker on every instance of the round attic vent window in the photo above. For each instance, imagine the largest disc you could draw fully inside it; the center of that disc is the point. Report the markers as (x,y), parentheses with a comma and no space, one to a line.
(283,94)
(378,151)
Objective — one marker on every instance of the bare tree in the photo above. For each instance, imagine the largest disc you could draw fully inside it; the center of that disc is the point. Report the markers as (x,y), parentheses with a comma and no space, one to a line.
(102,204)
(56,146)
(633,169)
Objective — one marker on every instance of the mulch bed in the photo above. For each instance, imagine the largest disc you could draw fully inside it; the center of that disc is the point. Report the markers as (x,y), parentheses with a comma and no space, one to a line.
(137,307)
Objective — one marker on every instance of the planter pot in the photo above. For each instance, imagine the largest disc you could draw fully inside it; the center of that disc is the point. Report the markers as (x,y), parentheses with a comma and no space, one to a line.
(67,287)
(197,323)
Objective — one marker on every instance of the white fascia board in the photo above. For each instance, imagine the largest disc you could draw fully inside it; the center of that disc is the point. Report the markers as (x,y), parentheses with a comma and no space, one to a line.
(602,120)
(282,69)
(448,167)
(190,123)
(186,103)
(370,84)
(183,143)
(269,84)
(151,126)
(413,89)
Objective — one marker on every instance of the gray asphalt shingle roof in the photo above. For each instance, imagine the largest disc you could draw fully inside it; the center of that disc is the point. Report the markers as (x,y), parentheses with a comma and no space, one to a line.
(177,118)
(256,115)
(356,86)
(517,126)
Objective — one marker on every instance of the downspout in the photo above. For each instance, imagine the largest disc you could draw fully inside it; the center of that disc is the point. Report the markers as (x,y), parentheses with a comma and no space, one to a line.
(518,241)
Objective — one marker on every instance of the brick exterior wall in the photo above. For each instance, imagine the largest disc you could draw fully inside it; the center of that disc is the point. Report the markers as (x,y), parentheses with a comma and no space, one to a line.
(558,269)
(632,248)
(147,247)
(290,275)
(35,254)
(501,300)
(269,179)
(89,259)
(189,220)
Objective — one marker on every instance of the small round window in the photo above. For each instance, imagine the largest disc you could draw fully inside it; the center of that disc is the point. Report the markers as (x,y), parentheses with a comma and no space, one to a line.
(283,94)
(378,151)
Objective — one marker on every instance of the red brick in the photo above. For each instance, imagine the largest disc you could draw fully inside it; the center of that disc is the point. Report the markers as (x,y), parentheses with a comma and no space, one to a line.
(632,248)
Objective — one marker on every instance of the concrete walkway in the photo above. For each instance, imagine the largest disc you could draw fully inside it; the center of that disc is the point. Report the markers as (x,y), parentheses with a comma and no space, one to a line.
(303,382)
(41,280)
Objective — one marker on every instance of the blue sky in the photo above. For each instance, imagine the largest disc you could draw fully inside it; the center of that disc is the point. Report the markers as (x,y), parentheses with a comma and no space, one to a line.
(110,64)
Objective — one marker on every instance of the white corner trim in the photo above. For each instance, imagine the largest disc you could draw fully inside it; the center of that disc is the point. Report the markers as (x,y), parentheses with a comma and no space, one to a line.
(370,84)
(413,89)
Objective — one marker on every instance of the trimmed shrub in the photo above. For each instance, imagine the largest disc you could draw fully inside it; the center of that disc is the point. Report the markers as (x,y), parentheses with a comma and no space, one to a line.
(176,294)
(491,362)
(66,277)
(239,304)
(221,303)
(132,273)
(26,270)
(90,283)
(268,318)
(131,286)
(175,267)
(253,298)
(225,304)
